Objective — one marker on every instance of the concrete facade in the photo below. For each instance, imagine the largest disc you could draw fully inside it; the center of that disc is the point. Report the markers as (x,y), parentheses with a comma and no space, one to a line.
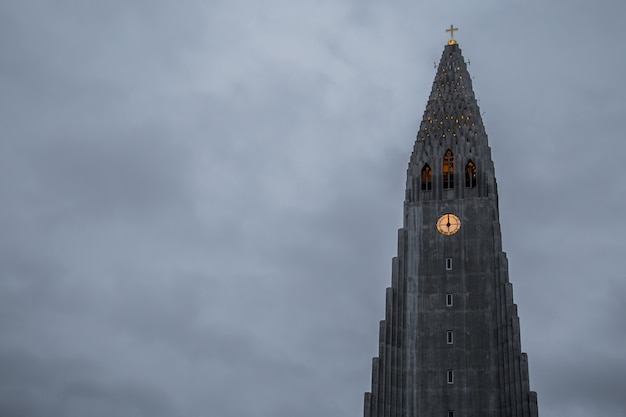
(450,341)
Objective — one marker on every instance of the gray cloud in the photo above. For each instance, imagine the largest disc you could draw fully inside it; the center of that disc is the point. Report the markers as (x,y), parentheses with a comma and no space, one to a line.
(200,200)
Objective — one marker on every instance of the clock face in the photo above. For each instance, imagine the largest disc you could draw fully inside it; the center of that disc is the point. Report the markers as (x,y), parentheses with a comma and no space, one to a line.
(448,224)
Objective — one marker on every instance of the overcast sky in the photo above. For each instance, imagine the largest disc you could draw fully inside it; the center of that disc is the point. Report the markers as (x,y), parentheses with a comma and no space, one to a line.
(200,199)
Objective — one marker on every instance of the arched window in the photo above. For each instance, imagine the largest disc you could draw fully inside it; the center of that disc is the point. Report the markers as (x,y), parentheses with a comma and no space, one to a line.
(448,170)
(427,178)
(470,175)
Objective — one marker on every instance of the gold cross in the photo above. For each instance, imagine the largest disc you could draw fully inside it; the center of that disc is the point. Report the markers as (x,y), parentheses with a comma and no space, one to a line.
(452,30)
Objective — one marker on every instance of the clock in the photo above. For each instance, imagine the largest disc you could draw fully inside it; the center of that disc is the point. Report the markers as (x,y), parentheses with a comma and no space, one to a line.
(448,224)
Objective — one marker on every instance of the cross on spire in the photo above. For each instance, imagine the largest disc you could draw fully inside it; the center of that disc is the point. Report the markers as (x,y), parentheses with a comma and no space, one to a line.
(452,30)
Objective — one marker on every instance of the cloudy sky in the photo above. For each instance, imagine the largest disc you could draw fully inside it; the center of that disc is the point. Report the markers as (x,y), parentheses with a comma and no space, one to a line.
(200,199)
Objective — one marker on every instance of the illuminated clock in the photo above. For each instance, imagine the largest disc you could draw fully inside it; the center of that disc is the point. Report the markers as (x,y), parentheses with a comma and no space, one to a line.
(448,224)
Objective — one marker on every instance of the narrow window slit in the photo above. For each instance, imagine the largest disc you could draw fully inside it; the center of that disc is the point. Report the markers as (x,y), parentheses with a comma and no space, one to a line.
(470,175)
(448,170)
(427,178)
(450,376)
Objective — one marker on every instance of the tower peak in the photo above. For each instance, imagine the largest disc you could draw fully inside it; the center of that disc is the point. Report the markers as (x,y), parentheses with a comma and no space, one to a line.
(452,113)
(452,29)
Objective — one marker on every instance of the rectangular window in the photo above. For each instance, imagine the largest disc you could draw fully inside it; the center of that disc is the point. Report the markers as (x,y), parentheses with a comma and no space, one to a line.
(450,376)
(448,264)
(449,300)
(450,413)
(450,337)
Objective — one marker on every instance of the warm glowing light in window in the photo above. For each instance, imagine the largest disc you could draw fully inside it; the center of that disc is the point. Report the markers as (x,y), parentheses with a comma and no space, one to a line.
(427,178)
(470,175)
(448,170)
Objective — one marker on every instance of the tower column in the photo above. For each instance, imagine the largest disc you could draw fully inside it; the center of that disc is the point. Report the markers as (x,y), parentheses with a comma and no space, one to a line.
(449,344)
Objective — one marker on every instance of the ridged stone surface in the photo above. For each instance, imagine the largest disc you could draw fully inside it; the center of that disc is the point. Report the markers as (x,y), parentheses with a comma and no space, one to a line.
(410,376)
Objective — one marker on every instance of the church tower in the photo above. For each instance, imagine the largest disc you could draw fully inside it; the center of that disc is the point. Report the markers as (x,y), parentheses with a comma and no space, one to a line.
(450,341)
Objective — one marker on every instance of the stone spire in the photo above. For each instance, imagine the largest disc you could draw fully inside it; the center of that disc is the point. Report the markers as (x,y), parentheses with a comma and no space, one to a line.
(452,110)
(451,120)
(449,345)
